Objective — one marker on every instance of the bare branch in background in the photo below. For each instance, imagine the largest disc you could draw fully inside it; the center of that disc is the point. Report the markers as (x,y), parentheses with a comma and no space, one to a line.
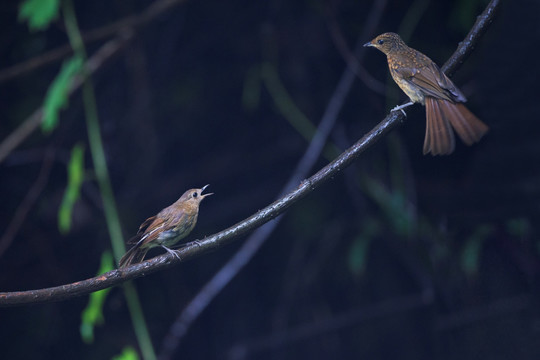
(125,30)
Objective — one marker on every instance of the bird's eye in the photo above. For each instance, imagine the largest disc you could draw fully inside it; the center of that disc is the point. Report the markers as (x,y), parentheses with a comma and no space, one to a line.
(195,194)
(380,42)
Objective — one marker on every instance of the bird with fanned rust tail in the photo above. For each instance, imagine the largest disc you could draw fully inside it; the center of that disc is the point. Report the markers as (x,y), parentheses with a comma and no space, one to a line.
(167,228)
(423,82)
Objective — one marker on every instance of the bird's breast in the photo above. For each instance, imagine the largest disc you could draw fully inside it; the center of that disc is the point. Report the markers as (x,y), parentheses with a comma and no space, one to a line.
(178,232)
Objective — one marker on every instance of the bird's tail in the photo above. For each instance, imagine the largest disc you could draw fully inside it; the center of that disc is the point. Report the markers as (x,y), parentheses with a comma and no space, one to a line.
(442,116)
(134,255)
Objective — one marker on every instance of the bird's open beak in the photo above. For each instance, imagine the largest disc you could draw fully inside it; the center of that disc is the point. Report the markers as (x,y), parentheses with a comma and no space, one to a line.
(368,44)
(205,195)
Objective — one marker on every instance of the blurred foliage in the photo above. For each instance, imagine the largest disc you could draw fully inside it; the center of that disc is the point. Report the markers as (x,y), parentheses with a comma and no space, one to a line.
(39,13)
(287,107)
(92,315)
(285,104)
(57,96)
(108,197)
(519,227)
(411,18)
(472,251)
(464,14)
(76,174)
(358,254)
(128,353)
(394,204)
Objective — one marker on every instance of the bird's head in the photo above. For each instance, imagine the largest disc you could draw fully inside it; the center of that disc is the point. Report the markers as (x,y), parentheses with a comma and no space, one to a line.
(386,42)
(194,196)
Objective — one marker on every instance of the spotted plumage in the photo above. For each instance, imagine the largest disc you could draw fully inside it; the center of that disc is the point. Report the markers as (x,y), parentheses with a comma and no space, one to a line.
(423,82)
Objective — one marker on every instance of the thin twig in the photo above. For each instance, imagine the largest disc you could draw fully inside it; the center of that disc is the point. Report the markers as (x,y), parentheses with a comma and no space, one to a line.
(95,62)
(324,326)
(270,212)
(105,53)
(106,31)
(380,309)
(351,57)
(476,314)
(29,200)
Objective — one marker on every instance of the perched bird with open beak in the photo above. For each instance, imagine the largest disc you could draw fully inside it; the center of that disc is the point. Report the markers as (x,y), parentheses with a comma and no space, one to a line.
(423,82)
(167,228)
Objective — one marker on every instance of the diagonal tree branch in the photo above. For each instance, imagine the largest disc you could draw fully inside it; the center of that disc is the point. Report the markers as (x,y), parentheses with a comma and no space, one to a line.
(26,205)
(210,243)
(466,47)
(273,210)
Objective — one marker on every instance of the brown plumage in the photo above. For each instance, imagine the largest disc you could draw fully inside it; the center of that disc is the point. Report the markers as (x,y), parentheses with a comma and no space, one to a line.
(423,82)
(167,228)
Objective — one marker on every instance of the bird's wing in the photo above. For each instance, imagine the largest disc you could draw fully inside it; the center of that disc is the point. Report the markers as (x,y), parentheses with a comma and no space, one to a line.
(140,233)
(147,223)
(179,218)
(166,219)
(147,228)
(432,81)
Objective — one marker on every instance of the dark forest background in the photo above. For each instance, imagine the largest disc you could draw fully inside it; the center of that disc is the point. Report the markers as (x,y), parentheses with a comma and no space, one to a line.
(400,256)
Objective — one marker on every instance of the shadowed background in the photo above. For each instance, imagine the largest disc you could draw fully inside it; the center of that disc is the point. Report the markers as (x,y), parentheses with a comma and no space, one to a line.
(402,256)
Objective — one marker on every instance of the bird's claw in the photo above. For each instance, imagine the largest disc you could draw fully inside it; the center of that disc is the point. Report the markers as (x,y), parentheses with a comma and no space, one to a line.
(401,107)
(172,252)
(196,242)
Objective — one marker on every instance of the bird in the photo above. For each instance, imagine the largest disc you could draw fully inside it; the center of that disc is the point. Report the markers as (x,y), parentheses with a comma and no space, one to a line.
(424,82)
(167,228)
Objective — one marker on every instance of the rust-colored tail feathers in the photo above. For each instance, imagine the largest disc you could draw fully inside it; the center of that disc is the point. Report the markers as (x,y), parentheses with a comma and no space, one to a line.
(134,255)
(442,116)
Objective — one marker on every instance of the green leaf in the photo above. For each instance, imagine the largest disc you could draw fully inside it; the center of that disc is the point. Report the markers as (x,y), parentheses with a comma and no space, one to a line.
(39,13)
(357,258)
(128,353)
(92,315)
(58,93)
(358,253)
(394,205)
(470,257)
(73,189)
(518,227)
